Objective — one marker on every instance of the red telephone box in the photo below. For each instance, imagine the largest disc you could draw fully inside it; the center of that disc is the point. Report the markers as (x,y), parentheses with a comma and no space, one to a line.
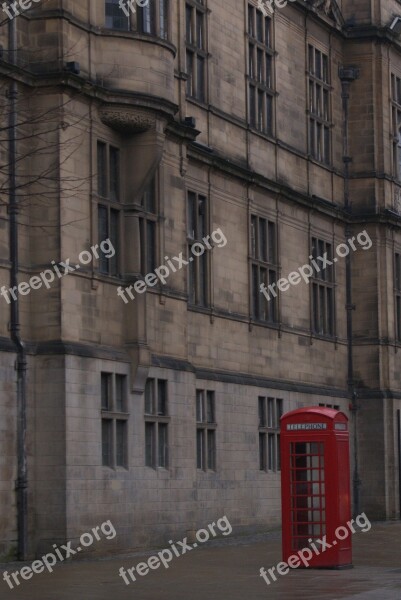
(315,484)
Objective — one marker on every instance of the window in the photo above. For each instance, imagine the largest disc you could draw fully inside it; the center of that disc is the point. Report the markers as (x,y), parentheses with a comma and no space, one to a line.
(263,268)
(198,266)
(396,124)
(108,189)
(322,290)
(116,17)
(270,412)
(397,294)
(319,105)
(156,423)
(195,39)
(148,228)
(150,19)
(260,71)
(205,430)
(334,406)
(114,420)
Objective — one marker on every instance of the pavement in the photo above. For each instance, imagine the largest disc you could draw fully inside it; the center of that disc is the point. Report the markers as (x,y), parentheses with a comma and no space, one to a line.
(226,569)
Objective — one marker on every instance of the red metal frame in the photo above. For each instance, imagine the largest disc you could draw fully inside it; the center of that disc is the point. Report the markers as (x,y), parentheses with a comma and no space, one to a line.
(315,484)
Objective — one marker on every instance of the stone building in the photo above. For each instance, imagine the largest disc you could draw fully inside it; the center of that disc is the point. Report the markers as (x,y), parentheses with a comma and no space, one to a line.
(277,134)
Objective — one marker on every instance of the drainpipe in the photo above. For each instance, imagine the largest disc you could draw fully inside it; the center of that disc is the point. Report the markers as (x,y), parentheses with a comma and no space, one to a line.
(347,76)
(20,365)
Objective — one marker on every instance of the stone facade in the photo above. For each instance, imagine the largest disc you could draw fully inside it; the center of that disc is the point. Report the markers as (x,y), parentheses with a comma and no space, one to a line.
(130,92)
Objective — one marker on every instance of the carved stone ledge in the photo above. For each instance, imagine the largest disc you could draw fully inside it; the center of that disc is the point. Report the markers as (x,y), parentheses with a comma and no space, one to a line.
(127,119)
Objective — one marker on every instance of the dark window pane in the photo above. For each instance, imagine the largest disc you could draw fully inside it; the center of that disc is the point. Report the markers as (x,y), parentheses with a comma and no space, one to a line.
(121,443)
(191,215)
(272,242)
(101,169)
(163,19)
(162,397)
(148,201)
(106,391)
(114,173)
(106,442)
(273,301)
(199,30)
(150,246)
(311,61)
(115,16)
(149,444)
(269,114)
(149,397)
(269,71)
(188,24)
(190,74)
(279,407)
(262,411)
(113,266)
(199,406)
(262,254)
(199,448)
(210,407)
(262,451)
(259,26)
(103,234)
(255,292)
(260,116)
(163,445)
(271,451)
(147,20)
(202,266)
(268,32)
(211,450)
(200,81)
(201,217)
(252,106)
(254,224)
(120,393)
(191,280)
(251,29)
(270,412)
(259,64)
(251,62)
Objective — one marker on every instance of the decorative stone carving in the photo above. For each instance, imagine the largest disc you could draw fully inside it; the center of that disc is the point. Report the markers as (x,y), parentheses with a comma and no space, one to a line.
(127,119)
(325,5)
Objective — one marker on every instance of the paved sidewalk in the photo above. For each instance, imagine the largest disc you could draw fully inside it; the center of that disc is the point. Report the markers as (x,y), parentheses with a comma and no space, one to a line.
(227,570)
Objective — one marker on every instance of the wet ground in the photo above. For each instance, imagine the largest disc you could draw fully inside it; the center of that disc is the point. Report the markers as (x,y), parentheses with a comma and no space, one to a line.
(226,570)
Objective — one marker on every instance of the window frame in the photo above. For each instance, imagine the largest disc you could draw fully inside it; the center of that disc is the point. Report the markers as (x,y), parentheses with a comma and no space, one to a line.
(149,216)
(263,259)
(270,409)
(322,288)
(395,96)
(109,201)
(260,79)
(206,429)
(111,414)
(198,284)
(197,49)
(319,112)
(397,295)
(135,23)
(156,421)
